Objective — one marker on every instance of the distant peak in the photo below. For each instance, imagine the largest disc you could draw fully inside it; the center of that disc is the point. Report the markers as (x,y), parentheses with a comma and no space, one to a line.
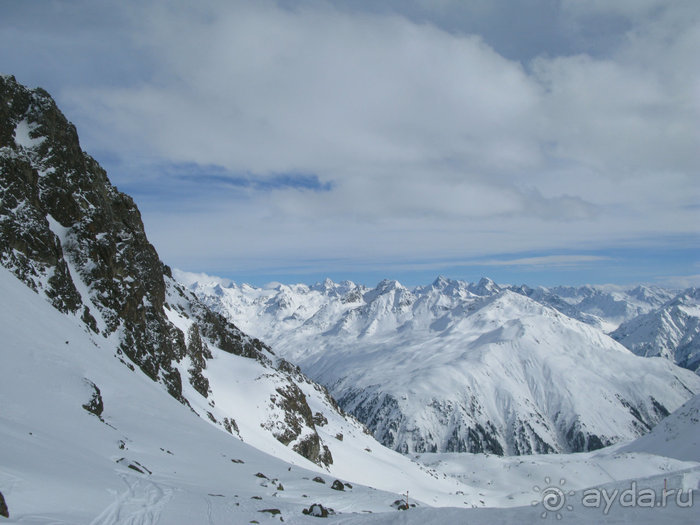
(485,286)
(326,286)
(687,296)
(389,284)
(441,282)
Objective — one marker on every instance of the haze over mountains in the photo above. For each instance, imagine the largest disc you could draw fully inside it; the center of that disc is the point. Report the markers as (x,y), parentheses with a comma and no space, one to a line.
(128,398)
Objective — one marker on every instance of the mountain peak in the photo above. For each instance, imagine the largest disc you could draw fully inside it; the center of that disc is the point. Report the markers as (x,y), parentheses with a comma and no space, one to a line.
(387,285)
(484,287)
(326,286)
(441,282)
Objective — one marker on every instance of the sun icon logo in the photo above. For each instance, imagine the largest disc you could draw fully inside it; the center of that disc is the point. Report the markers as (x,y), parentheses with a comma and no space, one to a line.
(553,498)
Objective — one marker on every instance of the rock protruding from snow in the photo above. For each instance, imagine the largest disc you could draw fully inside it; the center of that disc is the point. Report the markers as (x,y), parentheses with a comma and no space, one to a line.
(4,511)
(95,404)
(318,511)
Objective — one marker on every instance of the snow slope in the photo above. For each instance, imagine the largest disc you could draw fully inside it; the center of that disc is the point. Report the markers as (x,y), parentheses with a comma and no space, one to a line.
(457,367)
(666,458)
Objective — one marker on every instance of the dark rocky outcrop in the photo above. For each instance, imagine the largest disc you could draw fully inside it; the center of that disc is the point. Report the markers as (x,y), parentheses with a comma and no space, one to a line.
(319,511)
(402,504)
(198,352)
(319,419)
(297,417)
(231,426)
(580,440)
(94,405)
(3,507)
(134,465)
(338,485)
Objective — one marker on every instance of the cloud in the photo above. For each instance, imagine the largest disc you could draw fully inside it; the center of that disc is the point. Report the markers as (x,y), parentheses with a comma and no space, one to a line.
(679,281)
(258,88)
(323,132)
(547,260)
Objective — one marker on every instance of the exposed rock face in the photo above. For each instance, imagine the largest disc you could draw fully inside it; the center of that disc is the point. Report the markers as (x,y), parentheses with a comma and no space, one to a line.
(68,233)
(292,401)
(199,352)
(338,485)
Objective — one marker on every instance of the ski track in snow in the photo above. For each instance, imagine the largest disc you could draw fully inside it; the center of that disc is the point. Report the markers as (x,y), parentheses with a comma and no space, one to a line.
(140,504)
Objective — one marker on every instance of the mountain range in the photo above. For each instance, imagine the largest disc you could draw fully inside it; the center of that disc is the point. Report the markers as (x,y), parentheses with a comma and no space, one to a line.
(474,367)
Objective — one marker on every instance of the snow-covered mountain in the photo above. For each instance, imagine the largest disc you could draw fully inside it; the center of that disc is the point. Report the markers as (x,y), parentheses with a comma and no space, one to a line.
(649,320)
(456,366)
(671,331)
(604,307)
(72,237)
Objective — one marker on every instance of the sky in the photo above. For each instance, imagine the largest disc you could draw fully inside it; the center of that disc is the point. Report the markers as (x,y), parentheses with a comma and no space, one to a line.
(536,141)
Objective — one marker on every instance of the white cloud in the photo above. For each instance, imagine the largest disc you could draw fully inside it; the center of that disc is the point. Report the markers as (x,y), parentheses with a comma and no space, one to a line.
(258,88)
(436,145)
(547,260)
(679,281)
